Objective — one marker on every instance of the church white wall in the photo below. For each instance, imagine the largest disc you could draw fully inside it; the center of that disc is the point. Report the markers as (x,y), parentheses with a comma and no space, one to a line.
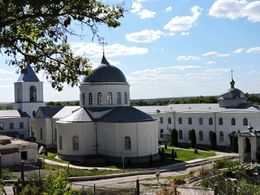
(104,88)
(111,138)
(45,124)
(85,133)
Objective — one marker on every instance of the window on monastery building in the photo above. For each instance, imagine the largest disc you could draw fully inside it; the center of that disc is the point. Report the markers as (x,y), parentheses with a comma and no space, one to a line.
(21,125)
(220,121)
(221,136)
(75,143)
(201,135)
(210,121)
(169,120)
(99,98)
(118,99)
(1,126)
(55,134)
(83,99)
(190,121)
(161,133)
(127,143)
(90,99)
(126,98)
(109,98)
(33,96)
(11,125)
(233,121)
(60,142)
(200,121)
(245,122)
(180,134)
(180,121)
(161,120)
(41,134)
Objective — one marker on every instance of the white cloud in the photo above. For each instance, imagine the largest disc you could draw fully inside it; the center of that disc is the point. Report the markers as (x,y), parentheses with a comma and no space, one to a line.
(253,50)
(4,72)
(211,62)
(136,7)
(185,33)
(235,9)
(144,36)
(168,9)
(239,50)
(183,23)
(94,50)
(145,14)
(253,73)
(188,58)
(215,54)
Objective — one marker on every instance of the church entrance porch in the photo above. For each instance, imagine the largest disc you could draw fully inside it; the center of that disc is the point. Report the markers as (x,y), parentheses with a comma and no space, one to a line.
(247,150)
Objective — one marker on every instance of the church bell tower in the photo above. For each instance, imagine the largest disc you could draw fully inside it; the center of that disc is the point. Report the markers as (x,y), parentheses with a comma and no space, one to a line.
(28,90)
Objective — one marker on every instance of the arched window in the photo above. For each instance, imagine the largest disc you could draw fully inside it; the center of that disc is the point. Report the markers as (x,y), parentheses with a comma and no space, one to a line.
(161,133)
(233,121)
(90,98)
(99,98)
(190,121)
(55,134)
(245,122)
(201,135)
(169,120)
(127,143)
(210,121)
(83,99)
(180,121)
(109,98)
(118,98)
(180,134)
(161,120)
(75,143)
(33,95)
(220,121)
(126,98)
(60,142)
(200,121)
(221,136)
(41,136)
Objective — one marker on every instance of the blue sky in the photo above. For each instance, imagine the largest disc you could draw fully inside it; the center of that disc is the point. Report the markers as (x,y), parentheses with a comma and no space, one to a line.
(171,48)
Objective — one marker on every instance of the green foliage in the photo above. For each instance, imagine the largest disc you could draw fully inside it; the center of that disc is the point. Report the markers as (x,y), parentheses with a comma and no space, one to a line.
(193,139)
(196,151)
(213,140)
(174,137)
(253,98)
(70,103)
(36,33)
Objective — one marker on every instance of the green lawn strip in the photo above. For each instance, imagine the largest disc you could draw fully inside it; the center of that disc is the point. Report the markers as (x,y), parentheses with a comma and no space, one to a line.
(72,172)
(188,154)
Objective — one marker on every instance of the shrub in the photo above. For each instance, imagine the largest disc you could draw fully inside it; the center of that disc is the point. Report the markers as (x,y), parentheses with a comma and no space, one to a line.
(193,139)
(174,137)
(196,151)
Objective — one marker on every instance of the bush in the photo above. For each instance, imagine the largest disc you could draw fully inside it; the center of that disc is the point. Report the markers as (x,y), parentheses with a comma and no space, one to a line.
(193,139)
(174,137)
(196,151)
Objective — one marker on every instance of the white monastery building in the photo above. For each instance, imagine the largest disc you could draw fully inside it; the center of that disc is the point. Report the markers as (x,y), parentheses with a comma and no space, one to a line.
(104,123)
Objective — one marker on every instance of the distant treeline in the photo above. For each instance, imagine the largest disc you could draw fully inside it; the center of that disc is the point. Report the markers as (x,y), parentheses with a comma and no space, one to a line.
(6,107)
(69,103)
(252,98)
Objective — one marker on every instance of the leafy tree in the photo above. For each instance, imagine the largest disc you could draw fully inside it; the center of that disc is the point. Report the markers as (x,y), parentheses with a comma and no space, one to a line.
(174,137)
(36,33)
(213,140)
(193,139)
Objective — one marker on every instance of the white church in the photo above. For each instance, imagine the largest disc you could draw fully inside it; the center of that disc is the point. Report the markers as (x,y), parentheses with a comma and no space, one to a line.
(104,123)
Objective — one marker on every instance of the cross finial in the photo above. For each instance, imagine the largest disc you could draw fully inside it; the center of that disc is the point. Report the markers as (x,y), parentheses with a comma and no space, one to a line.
(232,74)
(103,43)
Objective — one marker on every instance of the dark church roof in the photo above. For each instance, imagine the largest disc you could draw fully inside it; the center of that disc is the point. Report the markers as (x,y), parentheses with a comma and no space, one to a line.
(105,73)
(126,114)
(47,111)
(28,75)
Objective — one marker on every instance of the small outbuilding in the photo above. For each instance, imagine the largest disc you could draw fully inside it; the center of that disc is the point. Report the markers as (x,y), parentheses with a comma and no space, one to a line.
(249,145)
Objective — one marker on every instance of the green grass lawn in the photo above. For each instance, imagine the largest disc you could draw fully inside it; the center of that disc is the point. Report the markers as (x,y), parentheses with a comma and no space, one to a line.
(79,172)
(188,154)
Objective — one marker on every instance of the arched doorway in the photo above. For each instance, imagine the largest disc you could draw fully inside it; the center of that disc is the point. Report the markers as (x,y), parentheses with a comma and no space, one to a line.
(247,150)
